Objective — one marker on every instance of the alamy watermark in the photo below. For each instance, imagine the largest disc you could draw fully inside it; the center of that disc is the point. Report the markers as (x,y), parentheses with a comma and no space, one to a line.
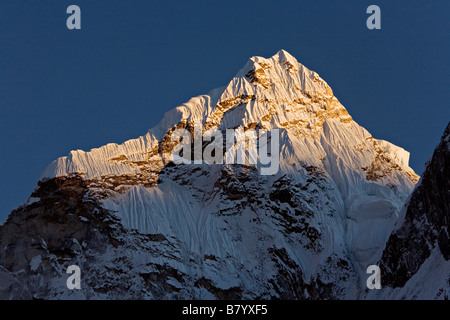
(374,20)
(73,281)
(374,280)
(239,146)
(74,20)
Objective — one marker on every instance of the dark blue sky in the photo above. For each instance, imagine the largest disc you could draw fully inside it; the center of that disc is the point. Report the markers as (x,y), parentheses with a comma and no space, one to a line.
(134,60)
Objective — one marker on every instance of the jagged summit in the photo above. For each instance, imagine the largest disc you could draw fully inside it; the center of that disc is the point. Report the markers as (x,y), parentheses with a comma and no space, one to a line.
(282,70)
(277,92)
(280,76)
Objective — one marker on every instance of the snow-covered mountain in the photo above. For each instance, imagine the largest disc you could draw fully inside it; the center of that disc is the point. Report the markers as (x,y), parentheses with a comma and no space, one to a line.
(140,226)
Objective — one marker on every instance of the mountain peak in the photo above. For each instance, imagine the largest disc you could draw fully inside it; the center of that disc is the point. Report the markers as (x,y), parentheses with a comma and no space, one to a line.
(283,55)
(283,70)
(267,93)
(202,230)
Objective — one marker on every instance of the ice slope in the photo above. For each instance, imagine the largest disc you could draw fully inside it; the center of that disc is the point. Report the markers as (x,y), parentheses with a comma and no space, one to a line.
(359,183)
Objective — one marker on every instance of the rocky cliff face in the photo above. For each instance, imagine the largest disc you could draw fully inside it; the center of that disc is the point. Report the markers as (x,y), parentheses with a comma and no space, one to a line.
(65,227)
(140,226)
(422,234)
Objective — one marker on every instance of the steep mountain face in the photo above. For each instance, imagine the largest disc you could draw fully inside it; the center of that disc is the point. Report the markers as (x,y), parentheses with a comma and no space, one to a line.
(140,226)
(416,259)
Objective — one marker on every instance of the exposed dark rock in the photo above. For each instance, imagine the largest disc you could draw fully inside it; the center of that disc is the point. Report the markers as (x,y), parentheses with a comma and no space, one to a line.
(234,293)
(67,226)
(426,223)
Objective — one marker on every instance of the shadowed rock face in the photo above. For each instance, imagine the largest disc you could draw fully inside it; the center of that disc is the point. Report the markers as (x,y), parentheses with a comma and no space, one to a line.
(60,217)
(67,226)
(426,222)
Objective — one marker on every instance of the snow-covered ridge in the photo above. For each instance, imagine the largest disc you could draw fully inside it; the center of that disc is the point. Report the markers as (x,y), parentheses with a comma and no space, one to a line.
(277,92)
(99,161)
